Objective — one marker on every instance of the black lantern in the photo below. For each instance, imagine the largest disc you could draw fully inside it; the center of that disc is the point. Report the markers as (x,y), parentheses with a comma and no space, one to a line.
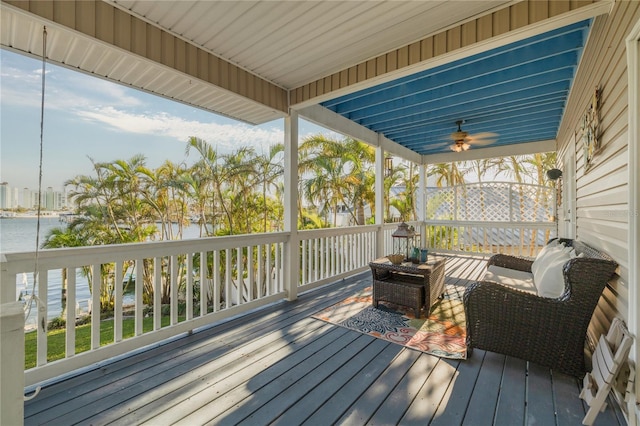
(403,240)
(554,174)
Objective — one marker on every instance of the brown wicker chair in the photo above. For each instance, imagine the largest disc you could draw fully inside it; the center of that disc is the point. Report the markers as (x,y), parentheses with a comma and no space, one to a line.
(549,332)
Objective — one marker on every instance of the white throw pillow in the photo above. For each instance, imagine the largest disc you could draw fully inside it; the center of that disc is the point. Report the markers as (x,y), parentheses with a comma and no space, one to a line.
(550,281)
(546,255)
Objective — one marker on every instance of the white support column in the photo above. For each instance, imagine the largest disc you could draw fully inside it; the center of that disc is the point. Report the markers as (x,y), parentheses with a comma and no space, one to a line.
(292,247)
(422,203)
(633,75)
(7,291)
(11,364)
(379,187)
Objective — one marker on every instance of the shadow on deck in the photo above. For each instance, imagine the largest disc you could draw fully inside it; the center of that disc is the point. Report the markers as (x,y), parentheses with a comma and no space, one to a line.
(280,366)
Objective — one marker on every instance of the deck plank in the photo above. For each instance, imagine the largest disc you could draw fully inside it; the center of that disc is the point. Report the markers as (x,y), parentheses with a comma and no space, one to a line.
(540,406)
(310,402)
(279,365)
(367,404)
(483,402)
(453,406)
(244,393)
(511,403)
(395,406)
(288,389)
(425,405)
(338,403)
(569,408)
(195,389)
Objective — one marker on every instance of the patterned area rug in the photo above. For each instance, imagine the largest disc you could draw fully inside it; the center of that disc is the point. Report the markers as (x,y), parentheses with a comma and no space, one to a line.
(442,333)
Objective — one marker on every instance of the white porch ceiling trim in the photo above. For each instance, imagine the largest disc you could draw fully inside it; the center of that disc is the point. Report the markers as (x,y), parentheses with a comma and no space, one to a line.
(329,119)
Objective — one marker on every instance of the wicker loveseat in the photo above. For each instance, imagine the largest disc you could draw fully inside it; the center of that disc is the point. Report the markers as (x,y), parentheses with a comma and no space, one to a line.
(548,331)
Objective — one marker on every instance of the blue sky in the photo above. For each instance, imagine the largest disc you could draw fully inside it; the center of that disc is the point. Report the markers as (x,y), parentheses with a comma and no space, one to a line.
(88,117)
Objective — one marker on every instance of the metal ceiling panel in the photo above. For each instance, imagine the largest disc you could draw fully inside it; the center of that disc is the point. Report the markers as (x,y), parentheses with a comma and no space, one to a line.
(517,92)
(292,43)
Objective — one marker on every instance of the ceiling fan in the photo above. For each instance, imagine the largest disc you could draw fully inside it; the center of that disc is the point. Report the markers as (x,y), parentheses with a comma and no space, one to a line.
(463,140)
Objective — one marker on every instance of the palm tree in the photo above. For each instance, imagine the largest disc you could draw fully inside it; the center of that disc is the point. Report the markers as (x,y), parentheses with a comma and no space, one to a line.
(337,173)
(206,178)
(395,175)
(358,160)
(270,172)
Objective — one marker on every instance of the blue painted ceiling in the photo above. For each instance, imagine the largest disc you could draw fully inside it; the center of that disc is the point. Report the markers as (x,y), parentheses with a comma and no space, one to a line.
(517,93)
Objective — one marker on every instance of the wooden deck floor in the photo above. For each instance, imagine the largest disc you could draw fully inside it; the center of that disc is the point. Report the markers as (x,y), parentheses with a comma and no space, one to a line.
(280,366)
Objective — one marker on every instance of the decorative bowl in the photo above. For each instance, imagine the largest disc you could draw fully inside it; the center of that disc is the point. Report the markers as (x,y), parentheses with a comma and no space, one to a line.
(396,259)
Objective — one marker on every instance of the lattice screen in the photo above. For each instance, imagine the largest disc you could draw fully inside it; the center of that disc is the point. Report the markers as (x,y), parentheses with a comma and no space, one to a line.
(491,202)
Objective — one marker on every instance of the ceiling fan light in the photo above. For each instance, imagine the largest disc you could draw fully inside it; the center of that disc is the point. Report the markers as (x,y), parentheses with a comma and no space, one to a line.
(456,147)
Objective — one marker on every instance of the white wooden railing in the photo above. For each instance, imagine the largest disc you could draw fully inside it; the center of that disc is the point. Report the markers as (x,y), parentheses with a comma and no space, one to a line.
(240,273)
(330,254)
(516,238)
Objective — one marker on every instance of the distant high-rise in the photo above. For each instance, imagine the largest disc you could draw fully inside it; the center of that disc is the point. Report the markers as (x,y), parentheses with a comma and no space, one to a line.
(27,202)
(5,195)
(11,198)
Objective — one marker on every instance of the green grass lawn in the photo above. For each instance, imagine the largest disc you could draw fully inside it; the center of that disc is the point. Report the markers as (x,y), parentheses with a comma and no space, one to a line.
(56,338)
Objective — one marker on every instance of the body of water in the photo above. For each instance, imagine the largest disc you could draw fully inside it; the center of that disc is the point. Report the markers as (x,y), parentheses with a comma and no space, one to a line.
(19,235)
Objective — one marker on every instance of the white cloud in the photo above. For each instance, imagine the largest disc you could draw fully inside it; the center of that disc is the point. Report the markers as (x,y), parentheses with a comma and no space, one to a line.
(229,136)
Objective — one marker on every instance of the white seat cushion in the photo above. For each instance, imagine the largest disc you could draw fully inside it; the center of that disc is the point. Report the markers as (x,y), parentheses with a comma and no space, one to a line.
(519,280)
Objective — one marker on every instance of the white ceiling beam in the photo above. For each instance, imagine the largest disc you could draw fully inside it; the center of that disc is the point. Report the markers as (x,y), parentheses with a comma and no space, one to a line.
(492,152)
(333,121)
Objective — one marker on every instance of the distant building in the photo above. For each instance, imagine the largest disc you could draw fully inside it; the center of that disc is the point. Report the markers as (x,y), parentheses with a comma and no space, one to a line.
(11,198)
(27,202)
(5,196)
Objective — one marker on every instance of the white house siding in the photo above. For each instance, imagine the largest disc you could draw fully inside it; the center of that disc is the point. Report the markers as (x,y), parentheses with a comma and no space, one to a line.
(602,202)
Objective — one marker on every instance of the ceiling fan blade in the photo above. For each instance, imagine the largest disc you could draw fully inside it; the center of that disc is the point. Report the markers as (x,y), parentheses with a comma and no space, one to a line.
(483,135)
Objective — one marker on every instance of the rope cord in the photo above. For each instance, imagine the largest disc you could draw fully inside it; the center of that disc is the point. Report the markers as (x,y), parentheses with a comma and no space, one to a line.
(37,251)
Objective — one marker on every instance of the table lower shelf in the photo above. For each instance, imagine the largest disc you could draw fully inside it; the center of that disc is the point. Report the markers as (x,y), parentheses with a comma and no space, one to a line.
(400,293)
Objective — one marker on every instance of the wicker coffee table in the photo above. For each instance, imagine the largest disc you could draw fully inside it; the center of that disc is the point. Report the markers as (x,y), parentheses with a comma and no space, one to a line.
(408,284)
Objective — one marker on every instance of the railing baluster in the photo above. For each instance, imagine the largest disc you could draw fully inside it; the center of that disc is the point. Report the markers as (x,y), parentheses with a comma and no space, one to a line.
(204,286)
(322,256)
(96,279)
(260,272)
(250,273)
(70,338)
(139,306)
(173,283)
(239,275)
(305,268)
(316,258)
(189,289)
(228,296)
(217,284)
(279,275)
(157,294)
(43,285)
(117,302)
